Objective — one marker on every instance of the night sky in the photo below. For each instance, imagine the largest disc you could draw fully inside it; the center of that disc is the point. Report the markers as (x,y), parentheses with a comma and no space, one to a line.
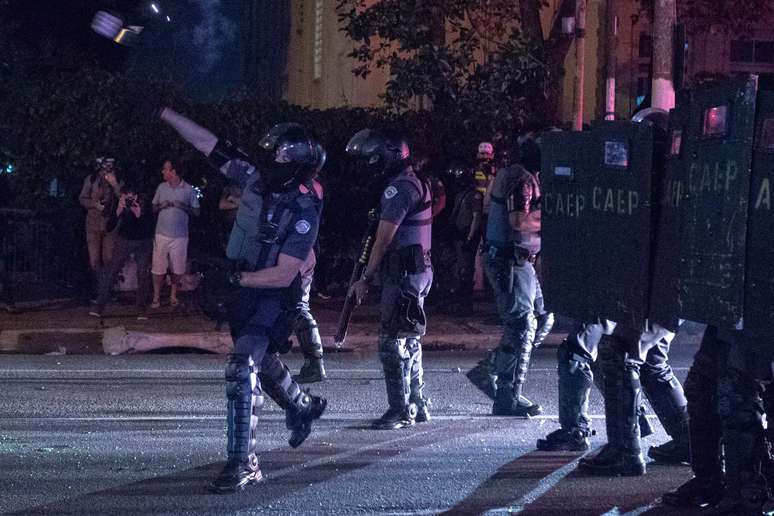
(203,48)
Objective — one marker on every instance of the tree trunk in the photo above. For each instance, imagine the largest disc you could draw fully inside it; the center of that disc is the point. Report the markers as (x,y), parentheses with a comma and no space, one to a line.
(611,59)
(664,20)
(531,25)
(580,63)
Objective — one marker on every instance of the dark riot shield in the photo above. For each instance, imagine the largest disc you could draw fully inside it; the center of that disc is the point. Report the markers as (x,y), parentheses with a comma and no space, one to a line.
(668,198)
(759,289)
(712,181)
(565,263)
(620,184)
(597,221)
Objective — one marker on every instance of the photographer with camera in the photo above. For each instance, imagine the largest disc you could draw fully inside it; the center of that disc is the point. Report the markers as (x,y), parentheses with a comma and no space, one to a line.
(98,194)
(136,227)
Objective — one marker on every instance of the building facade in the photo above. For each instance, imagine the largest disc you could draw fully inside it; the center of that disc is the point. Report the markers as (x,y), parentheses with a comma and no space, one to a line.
(319,71)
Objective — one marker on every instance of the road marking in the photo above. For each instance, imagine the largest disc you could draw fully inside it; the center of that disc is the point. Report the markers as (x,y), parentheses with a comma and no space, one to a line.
(219,371)
(615,511)
(546,484)
(354,416)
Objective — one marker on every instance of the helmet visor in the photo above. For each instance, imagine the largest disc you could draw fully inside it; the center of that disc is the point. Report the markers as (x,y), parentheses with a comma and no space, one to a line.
(363,144)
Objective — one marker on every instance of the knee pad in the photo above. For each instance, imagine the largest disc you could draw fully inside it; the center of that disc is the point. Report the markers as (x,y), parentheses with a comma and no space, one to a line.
(241,379)
(393,348)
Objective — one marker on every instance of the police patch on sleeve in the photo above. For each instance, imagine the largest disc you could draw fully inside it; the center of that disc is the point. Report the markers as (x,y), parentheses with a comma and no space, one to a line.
(390,192)
(303,227)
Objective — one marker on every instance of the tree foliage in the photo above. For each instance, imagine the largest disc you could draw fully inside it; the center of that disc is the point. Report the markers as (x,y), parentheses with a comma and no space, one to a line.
(484,63)
(735,16)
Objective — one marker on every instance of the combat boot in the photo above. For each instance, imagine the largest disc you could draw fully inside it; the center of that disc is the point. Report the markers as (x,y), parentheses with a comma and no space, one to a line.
(565,440)
(671,452)
(506,404)
(396,418)
(312,371)
(612,461)
(621,456)
(696,493)
(237,474)
(299,418)
(397,378)
(301,408)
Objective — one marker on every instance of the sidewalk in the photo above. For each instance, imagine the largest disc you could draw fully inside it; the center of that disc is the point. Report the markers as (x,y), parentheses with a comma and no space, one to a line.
(65,327)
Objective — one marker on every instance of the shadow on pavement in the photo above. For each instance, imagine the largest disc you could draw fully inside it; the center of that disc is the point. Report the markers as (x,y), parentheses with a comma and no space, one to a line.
(286,471)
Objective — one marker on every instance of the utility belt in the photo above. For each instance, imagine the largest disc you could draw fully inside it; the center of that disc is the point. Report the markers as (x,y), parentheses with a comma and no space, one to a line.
(514,252)
(412,259)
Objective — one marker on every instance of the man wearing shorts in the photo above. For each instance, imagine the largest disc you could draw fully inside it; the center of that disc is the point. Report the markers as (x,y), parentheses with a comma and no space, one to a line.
(175,202)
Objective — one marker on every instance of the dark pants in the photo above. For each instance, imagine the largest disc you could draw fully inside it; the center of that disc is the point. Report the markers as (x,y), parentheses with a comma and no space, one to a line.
(142,250)
(701,387)
(516,289)
(400,351)
(464,268)
(305,326)
(741,403)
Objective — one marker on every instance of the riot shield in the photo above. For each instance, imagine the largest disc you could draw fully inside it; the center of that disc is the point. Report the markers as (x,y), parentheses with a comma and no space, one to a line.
(597,220)
(759,288)
(565,263)
(668,199)
(713,182)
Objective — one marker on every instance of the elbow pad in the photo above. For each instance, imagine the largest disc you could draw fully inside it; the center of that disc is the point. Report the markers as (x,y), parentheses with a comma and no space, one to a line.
(225,151)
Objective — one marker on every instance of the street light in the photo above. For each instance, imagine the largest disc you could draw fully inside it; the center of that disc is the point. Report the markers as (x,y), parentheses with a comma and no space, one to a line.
(155,9)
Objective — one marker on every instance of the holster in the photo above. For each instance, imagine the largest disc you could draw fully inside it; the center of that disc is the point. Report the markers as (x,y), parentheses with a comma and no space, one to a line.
(411,259)
(408,316)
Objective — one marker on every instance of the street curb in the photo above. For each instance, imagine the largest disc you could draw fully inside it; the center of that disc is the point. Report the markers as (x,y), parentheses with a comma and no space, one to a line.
(117,340)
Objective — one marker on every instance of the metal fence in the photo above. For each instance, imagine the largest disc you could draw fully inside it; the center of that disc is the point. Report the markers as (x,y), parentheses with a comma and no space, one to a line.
(41,255)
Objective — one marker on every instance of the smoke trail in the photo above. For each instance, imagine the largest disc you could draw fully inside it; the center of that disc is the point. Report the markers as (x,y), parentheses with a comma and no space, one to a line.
(213,34)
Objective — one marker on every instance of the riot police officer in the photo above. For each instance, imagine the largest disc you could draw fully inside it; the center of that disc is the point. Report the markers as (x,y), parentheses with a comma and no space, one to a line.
(631,360)
(511,246)
(728,389)
(625,356)
(275,228)
(401,259)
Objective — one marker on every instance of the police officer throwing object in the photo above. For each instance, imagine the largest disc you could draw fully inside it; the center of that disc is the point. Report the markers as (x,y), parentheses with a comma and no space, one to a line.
(276,226)
(512,243)
(401,258)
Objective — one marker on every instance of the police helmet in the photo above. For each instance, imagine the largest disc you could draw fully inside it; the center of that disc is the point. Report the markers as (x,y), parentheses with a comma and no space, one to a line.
(296,156)
(386,153)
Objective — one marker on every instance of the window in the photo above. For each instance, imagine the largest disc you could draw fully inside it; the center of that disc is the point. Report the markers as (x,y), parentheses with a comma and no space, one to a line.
(742,51)
(750,51)
(318,38)
(764,52)
(563,171)
(616,154)
(715,121)
(676,142)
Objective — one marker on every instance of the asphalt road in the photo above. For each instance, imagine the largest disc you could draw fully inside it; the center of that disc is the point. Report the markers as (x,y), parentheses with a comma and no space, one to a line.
(144,434)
